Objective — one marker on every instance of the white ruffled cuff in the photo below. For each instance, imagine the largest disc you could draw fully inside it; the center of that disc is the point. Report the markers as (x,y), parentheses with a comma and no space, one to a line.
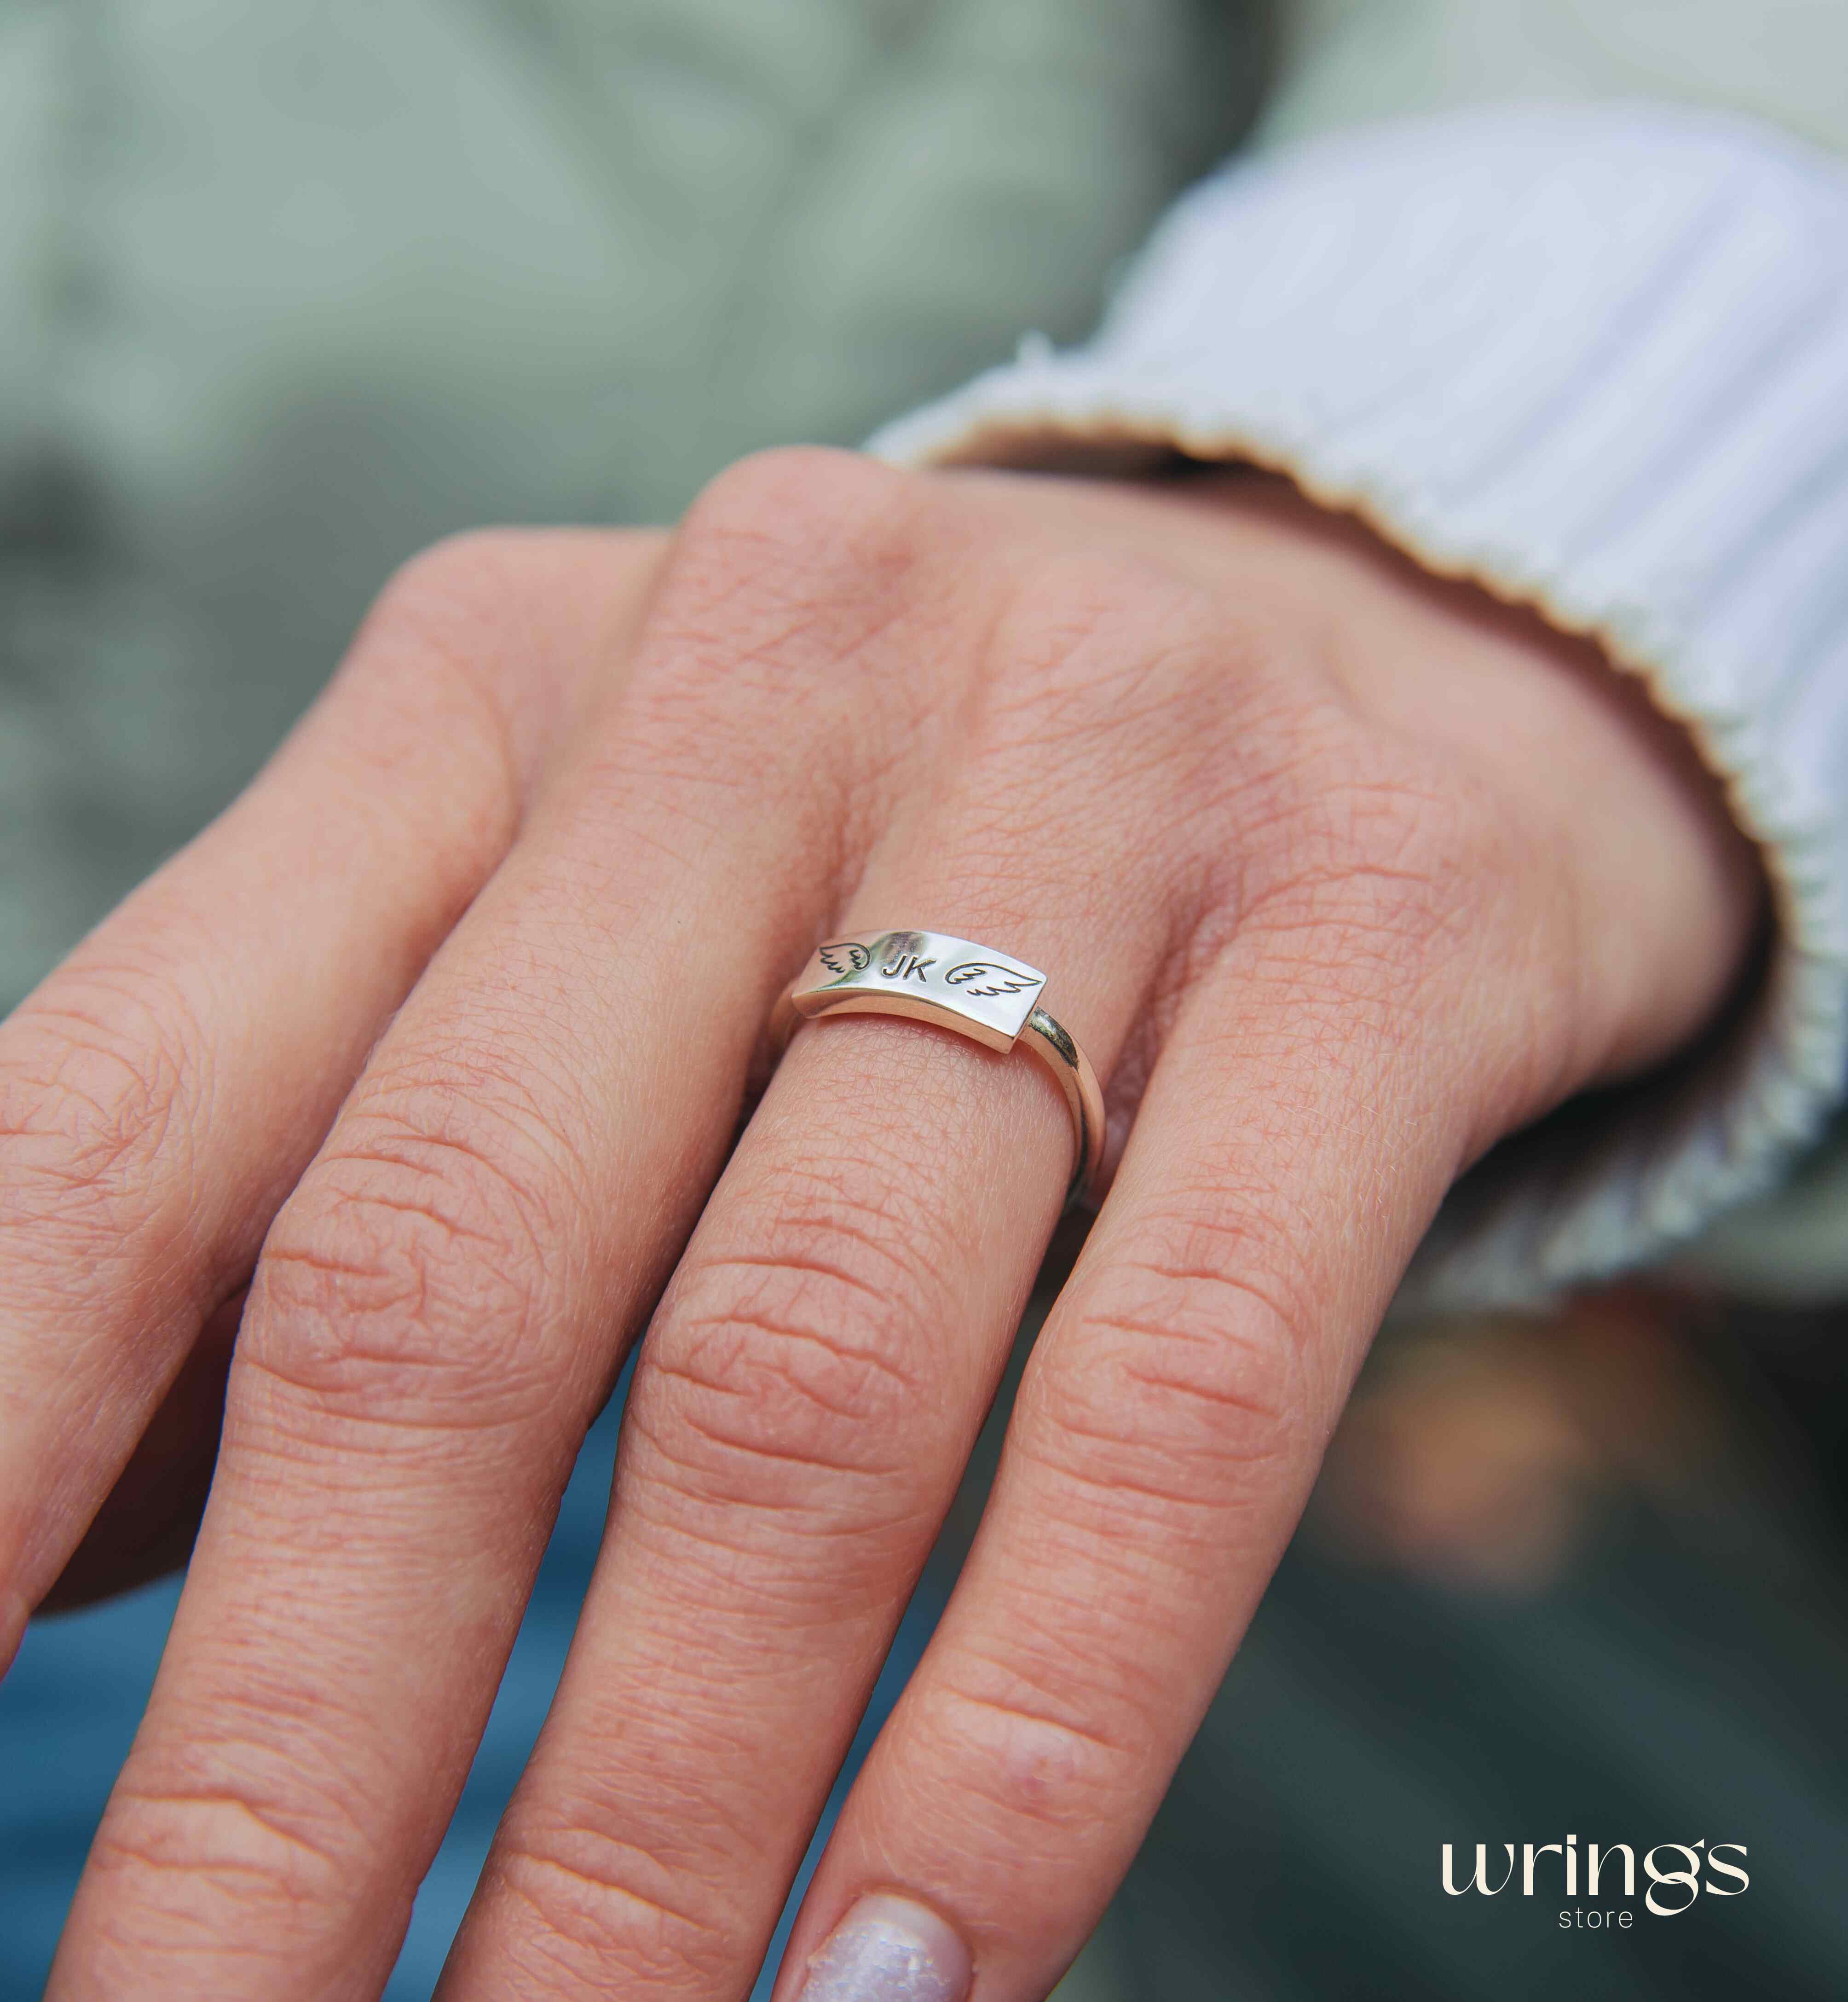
(1595,358)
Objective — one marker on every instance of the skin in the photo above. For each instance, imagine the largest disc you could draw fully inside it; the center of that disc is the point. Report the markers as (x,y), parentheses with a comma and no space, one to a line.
(437,1041)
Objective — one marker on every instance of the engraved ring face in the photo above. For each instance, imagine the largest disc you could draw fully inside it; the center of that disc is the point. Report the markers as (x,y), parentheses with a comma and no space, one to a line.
(973,989)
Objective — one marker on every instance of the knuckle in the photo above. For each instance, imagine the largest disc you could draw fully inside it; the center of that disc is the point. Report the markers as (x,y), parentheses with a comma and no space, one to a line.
(593,1896)
(787,575)
(1192,1387)
(453,584)
(96,1079)
(188,1865)
(792,1374)
(427,656)
(1021,1754)
(807,506)
(1383,860)
(443,617)
(406,1278)
(471,596)
(474,651)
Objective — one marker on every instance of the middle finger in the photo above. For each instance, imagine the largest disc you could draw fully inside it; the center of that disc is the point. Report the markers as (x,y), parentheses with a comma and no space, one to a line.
(803,1409)
(441,1306)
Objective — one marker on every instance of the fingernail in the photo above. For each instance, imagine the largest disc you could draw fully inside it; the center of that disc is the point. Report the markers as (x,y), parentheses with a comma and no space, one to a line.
(888,1949)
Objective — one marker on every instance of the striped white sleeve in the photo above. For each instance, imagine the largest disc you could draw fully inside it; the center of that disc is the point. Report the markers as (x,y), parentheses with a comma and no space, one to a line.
(1596,358)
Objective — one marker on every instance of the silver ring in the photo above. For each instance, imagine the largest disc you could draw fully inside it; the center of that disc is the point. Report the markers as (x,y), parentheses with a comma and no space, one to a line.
(989,997)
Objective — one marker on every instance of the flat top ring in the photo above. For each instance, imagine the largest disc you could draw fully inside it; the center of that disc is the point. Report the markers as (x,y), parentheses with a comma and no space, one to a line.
(989,997)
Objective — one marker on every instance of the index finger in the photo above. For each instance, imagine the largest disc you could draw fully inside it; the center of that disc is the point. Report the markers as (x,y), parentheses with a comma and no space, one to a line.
(162,1090)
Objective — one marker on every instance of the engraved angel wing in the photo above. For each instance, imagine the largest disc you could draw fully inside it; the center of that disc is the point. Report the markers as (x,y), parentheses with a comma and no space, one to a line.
(994,980)
(848,956)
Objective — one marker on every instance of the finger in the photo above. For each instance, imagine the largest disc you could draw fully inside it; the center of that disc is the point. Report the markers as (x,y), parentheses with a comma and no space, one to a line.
(161,1092)
(442,1303)
(1284,1162)
(809,1391)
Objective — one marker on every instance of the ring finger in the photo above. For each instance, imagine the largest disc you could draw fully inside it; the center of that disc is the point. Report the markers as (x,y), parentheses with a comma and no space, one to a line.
(1171,1419)
(808,1394)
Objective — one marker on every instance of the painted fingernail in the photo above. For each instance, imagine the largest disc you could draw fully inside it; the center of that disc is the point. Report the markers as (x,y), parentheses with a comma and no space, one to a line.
(888,1949)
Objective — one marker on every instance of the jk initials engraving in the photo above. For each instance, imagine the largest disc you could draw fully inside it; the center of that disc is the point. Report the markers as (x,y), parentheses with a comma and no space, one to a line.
(906,966)
(928,976)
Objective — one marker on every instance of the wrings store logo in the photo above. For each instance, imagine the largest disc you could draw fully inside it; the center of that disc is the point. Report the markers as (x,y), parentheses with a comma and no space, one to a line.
(1697,1867)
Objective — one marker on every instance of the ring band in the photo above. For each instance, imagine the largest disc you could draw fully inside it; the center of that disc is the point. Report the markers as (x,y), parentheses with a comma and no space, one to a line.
(989,997)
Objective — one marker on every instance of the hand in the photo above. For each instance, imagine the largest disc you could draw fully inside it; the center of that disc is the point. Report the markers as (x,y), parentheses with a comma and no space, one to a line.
(437,1039)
